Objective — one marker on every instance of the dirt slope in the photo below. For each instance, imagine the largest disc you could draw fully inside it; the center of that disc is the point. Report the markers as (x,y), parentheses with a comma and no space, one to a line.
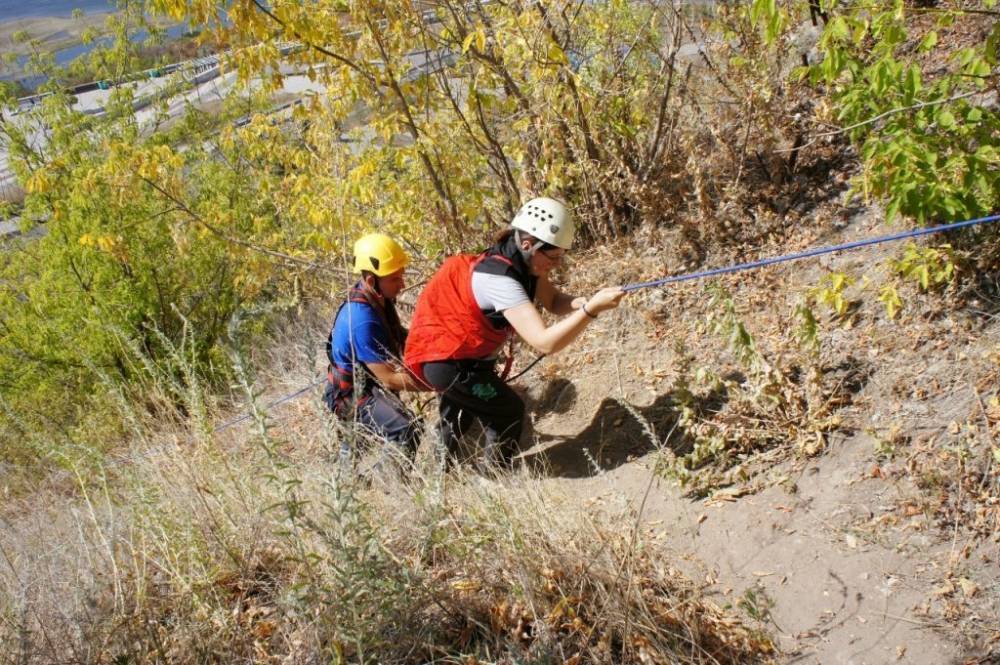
(854,553)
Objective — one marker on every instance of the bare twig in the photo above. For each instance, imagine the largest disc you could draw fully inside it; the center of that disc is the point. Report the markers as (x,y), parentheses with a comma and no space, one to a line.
(228,238)
(880,116)
(900,110)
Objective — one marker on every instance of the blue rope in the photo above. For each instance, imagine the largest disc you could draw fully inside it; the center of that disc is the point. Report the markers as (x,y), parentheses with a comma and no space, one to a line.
(811,252)
(268,407)
(699,275)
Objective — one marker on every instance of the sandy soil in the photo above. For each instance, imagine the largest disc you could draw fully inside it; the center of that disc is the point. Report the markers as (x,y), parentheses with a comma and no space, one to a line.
(855,573)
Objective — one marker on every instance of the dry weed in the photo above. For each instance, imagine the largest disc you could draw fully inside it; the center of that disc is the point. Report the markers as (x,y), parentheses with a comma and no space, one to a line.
(197,553)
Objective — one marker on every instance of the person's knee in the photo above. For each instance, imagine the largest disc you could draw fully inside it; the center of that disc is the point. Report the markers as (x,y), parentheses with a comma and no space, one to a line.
(513,407)
(402,429)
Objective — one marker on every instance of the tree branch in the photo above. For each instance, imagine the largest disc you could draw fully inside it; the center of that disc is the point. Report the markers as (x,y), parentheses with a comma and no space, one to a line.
(336,56)
(880,116)
(228,238)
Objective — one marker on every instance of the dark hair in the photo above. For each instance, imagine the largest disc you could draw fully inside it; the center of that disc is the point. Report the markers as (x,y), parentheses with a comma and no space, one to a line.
(505,235)
(378,287)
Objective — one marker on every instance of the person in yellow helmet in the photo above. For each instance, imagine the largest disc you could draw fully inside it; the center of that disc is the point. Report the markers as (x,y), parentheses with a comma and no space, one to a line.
(365,347)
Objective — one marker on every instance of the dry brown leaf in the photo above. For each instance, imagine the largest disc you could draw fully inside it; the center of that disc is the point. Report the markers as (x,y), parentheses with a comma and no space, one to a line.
(945,589)
(264,629)
(969,588)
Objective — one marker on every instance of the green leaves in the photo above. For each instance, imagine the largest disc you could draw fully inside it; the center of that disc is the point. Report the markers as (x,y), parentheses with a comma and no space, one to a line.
(929,41)
(767,14)
(920,137)
(946,119)
(837,30)
(911,84)
(927,266)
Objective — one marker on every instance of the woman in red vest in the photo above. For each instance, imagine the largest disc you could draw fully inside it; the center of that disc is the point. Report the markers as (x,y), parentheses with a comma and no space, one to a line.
(474,303)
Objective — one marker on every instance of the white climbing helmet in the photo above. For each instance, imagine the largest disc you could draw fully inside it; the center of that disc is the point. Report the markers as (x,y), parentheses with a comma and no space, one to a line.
(547,220)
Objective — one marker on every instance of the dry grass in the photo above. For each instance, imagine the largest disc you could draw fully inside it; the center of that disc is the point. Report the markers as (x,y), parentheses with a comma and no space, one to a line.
(257,545)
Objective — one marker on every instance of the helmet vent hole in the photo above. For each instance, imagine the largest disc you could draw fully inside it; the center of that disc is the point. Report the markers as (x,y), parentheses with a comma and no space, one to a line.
(374,262)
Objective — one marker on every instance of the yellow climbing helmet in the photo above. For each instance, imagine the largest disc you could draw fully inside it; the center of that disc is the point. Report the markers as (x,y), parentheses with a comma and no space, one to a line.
(379,254)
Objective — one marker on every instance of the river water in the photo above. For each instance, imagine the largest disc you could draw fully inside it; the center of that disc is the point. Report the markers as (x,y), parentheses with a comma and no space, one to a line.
(15,9)
(19,9)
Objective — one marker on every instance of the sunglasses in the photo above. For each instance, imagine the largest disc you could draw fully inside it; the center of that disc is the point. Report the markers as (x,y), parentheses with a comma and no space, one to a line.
(554,257)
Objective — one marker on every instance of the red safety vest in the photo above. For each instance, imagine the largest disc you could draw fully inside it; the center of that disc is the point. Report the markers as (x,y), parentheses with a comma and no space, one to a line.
(447,323)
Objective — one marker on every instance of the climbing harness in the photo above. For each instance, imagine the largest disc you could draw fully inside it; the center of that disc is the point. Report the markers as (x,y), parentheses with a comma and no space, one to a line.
(508,362)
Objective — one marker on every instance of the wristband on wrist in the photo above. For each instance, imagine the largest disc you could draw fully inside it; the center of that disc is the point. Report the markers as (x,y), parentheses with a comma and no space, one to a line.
(584,308)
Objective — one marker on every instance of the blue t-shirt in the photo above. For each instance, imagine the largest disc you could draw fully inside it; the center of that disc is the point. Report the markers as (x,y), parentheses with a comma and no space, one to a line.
(371,344)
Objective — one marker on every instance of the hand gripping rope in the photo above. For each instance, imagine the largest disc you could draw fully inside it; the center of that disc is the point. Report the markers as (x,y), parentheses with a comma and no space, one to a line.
(792,257)
(818,251)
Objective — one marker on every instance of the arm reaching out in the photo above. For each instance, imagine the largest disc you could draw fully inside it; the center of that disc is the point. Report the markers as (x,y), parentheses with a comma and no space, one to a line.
(529,325)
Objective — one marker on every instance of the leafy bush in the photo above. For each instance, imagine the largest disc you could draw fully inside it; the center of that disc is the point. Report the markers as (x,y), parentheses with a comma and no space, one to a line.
(927,132)
(171,224)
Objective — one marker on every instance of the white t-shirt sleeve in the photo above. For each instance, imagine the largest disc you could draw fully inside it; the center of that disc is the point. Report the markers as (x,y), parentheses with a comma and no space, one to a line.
(497,292)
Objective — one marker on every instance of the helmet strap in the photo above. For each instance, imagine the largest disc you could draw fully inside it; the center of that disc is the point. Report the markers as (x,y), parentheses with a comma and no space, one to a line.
(526,253)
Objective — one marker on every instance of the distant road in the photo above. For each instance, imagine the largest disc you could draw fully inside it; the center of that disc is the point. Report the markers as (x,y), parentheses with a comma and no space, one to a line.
(198,75)
(206,89)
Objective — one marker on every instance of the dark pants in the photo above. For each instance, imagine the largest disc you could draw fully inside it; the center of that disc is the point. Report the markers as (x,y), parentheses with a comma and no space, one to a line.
(380,413)
(471,391)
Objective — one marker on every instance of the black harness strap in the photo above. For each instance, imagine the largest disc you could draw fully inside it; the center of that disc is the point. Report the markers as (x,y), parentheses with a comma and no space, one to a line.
(505,259)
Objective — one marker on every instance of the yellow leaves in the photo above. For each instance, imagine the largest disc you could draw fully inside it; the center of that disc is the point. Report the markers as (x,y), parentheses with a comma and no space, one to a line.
(323,242)
(465,585)
(478,36)
(175,9)
(556,54)
(830,292)
(362,183)
(156,163)
(890,300)
(317,216)
(39,182)
(113,245)
(527,19)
